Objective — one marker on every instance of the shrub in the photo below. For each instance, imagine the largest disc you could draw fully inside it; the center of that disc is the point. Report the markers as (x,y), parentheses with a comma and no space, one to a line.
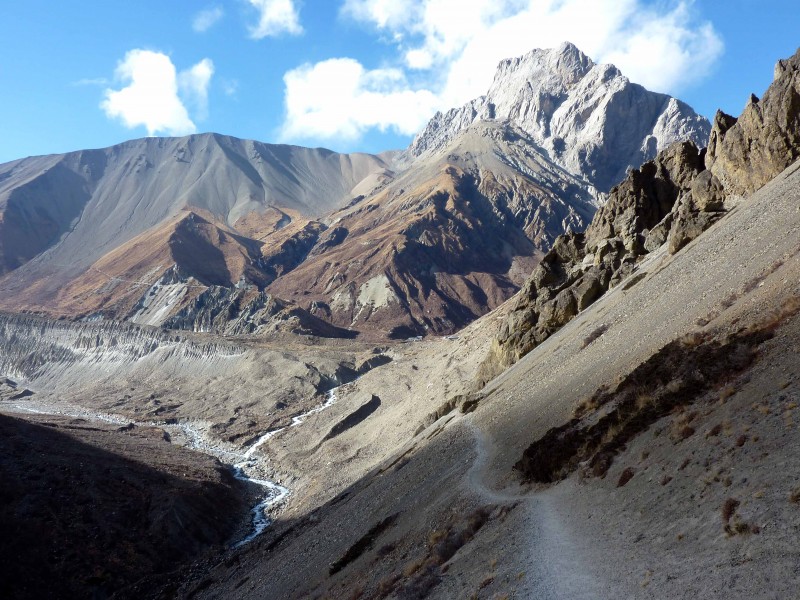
(625,477)
(729,508)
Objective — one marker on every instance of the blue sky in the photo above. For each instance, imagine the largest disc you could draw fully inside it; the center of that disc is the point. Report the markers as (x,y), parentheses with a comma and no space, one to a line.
(351,75)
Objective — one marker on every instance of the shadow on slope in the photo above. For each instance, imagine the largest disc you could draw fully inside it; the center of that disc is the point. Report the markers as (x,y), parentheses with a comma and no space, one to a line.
(80,521)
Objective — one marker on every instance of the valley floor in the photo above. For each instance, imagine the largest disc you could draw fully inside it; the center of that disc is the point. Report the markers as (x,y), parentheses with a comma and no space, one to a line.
(406,486)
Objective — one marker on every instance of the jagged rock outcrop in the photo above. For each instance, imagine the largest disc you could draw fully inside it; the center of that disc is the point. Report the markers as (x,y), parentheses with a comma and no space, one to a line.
(747,152)
(671,199)
(587,118)
(581,267)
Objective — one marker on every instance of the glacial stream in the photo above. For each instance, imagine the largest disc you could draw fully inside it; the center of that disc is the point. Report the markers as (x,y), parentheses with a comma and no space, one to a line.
(246,465)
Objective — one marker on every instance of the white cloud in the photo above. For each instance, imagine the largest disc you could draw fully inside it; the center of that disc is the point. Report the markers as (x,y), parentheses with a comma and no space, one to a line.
(275,17)
(206,19)
(338,98)
(661,45)
(151,96)
(230,87)
(384,13)
(193,84)
(448,50)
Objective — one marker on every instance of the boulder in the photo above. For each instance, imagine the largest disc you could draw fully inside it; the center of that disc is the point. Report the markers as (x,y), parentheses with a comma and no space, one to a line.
(689,223)
(708,193)
(656,237)
(590,288)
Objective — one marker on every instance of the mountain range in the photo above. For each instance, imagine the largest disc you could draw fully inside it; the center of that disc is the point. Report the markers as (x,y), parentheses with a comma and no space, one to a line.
(177,231)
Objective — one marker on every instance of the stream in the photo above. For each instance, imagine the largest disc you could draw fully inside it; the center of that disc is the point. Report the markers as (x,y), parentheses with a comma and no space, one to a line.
(246,465)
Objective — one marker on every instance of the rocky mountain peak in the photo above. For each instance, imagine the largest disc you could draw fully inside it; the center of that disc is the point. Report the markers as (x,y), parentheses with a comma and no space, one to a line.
(554,70)
(587,118)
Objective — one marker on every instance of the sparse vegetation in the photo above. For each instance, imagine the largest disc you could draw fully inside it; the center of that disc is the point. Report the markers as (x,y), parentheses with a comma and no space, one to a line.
(674,377)
(625,477)
(595,334)
(728,509)
(725,393)
(738,526)
(419,576)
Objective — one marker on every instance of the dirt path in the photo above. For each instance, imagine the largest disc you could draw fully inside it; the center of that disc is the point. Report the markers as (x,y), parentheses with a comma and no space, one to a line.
(557,558)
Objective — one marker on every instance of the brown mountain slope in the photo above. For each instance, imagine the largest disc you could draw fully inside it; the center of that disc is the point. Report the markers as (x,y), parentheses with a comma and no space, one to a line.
(446,241)
(203,252)
(59,214)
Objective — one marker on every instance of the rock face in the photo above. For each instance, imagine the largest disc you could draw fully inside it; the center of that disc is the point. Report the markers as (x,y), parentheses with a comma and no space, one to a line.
(45,350)
(581,267)
(242,311)
(747,152)
(587,118)
(671,200)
